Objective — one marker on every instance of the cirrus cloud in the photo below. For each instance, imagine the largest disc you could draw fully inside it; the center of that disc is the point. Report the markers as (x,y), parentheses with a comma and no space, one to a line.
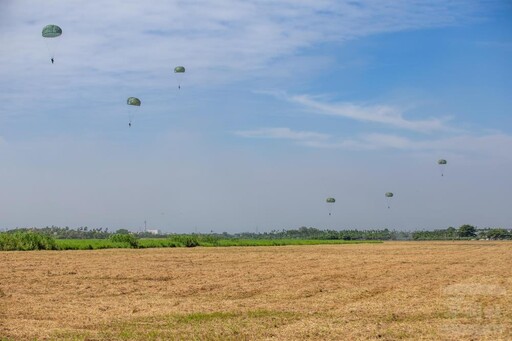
(384,114)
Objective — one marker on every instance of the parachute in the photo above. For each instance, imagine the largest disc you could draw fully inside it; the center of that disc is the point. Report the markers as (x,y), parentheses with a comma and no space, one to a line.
(133,103)
(442,163)
(329,202)
(389,195)
(179,71)
(49,33)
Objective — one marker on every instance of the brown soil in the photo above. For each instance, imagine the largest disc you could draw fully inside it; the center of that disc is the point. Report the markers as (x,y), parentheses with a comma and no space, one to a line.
(389,291)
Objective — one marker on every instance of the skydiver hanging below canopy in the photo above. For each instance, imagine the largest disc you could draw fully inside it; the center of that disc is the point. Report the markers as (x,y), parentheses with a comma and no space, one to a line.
(330,202)
(179,71)
(389,195)
(442,163)
(50,33)
(133,103)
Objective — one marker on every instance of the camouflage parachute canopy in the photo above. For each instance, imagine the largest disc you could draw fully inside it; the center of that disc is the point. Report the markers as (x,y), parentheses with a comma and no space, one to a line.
(133,101)
(330,200)
(441,162)
(179,69)
(389,194)
(51,31)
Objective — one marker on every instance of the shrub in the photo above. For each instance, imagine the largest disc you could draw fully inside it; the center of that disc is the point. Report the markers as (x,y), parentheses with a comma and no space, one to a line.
(191,242)
(26,240)
(125,238)
(185,240)
(209,240)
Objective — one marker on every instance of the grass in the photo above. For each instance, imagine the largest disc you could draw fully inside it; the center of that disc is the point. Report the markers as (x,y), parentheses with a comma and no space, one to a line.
(389,291)
(147,243)
(218,325)
(282,242)
(24,241)
(90,244)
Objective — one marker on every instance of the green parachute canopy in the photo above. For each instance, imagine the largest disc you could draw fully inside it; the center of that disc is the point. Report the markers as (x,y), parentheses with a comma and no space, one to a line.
(389,195)
(330,200)
(179,69)
(51,31)
(441,162)
(133,101)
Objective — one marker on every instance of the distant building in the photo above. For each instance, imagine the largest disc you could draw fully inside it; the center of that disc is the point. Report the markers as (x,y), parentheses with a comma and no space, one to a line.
(154,231)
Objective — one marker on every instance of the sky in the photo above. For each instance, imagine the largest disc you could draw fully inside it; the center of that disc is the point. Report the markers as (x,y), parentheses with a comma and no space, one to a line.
(283,104)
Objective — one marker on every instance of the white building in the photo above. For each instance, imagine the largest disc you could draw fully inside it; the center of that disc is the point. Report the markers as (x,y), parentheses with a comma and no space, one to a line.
(154,231)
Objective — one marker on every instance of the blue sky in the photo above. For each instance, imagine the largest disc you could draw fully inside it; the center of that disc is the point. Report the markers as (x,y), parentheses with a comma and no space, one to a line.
(282,104)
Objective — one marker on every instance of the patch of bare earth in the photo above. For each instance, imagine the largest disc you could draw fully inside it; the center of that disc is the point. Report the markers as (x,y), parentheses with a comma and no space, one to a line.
(389,291)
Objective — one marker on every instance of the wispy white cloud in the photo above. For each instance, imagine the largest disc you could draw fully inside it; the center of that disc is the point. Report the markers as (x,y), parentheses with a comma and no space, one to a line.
(319,140)
(490,144)
(219,39)
(110,49)
(383,114)
(496,144)
(283,133)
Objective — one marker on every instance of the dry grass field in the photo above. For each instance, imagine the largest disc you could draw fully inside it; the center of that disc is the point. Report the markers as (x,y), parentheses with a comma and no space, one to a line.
(390,291)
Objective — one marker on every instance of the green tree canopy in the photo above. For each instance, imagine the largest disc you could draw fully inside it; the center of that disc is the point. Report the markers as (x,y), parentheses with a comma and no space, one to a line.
(467,231)
(122,231)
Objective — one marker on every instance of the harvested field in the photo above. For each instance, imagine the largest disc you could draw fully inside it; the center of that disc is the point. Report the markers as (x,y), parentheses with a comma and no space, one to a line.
(395,290)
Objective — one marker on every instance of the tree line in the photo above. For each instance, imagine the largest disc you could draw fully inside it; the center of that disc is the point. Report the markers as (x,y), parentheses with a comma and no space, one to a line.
(451,233)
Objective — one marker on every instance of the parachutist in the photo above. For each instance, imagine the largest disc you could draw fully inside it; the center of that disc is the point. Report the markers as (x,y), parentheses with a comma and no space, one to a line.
(179,70)
(132,102)
(330,201)
(442,163)
(49,33)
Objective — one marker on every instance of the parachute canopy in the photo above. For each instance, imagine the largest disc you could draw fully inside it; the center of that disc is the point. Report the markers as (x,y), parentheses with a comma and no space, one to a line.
(133,101)
(179,69)
(389,195)
(51,31)
(441,162)
(330,200)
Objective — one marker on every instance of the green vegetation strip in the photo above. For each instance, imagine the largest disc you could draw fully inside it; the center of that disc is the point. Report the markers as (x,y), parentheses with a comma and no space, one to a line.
(283,242)
(146,243)
(24,241)
(250,325)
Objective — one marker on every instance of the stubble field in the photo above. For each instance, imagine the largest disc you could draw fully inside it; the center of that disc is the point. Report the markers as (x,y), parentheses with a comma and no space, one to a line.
(395,290)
